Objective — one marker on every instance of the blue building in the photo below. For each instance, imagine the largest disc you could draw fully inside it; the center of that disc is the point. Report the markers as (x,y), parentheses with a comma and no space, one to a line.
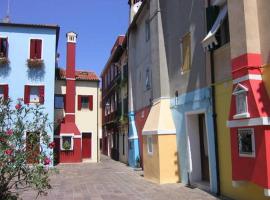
(28,61)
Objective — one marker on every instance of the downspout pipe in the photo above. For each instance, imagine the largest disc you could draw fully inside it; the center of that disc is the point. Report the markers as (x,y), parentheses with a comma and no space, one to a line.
(213,91)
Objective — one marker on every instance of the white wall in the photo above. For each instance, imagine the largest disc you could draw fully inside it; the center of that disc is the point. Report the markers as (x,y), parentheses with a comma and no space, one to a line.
(194,150)
(86,120)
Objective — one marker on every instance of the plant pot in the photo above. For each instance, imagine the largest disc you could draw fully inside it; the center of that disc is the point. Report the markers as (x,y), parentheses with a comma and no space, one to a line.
(35,63)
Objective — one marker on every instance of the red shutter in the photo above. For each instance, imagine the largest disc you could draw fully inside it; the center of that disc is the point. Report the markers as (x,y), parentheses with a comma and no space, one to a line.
(26,94)
(41,94)
(91,102)
(7,48)
(64,98)
(5,88)
(38,48)
(79,102)
(32,48)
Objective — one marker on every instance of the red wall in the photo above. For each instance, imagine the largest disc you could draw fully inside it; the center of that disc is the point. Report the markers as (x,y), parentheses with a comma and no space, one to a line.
(72,156)
(140,119)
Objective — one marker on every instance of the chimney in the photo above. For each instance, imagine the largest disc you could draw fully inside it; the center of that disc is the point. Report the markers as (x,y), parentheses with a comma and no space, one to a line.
(70,77)
(68,125)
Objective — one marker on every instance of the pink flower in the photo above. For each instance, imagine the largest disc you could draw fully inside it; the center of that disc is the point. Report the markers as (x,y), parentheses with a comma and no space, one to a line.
(9,132)
(47,161)
(18,106)
(52,145)
(8,152)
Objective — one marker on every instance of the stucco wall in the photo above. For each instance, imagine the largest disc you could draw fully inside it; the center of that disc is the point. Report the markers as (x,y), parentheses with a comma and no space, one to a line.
(169,165)
(139,60)
(18,74)
(247,191)
(193,15)
(86,120)
(151,162)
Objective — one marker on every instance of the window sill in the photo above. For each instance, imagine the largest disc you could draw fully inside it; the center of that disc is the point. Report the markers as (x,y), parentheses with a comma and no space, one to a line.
(242,115)
(247,155)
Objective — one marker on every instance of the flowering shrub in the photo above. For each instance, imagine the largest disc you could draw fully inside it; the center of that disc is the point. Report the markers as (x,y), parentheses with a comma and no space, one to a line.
(24,144)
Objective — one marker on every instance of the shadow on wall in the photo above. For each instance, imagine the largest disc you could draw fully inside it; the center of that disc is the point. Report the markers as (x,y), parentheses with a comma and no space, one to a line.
(177,164)
(36,74)
(4,70)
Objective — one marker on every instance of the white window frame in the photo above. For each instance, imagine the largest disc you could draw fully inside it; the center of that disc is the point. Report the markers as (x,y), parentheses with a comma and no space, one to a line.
(36,100)
(150,150)
(72,142)
(241,90)
(253,154)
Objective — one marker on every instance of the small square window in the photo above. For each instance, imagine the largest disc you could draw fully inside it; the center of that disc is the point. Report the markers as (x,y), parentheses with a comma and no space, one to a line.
(85,102)
(34,94)
(66,143)
(246,142)
(59,101)
(150,145)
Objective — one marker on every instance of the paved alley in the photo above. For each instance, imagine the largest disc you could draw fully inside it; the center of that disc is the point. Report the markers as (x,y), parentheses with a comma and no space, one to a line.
(110,180)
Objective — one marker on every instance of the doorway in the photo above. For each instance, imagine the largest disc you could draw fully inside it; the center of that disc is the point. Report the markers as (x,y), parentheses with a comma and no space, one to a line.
(86,145)
(32,147)
(197,149)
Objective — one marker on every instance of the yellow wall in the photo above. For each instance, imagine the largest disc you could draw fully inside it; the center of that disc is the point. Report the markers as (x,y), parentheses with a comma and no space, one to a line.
(169,172)
(247,191)
(151,162)
(162,166)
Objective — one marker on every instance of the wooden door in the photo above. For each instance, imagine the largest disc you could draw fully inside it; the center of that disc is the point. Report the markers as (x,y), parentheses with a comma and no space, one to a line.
(33,147)
(86,145)
(203,148)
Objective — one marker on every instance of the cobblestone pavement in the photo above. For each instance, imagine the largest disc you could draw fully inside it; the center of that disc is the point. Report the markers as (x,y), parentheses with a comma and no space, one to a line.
(110,180)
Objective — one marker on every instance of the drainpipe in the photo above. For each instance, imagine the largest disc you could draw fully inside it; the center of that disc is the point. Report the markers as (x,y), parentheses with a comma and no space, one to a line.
(213,91)
(98,149)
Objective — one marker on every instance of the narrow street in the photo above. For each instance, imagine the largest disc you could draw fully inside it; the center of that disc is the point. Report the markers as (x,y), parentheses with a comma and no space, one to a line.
(110,180)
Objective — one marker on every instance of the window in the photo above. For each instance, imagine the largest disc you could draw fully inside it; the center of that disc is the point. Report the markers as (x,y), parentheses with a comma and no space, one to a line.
(186,53)
(59,100)
(85,102)
(240,93)
(66,142)
(4,92)
(147,30)
(33,94)
(35,48)
(33,147)
(246,142)
(3,47)
(150,145)
(147,79)
(217,26)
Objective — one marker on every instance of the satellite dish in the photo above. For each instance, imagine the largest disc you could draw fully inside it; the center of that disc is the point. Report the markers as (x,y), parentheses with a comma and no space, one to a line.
(137,6)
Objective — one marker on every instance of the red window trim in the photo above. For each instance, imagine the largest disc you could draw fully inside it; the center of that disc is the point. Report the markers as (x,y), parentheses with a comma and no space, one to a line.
(6,53)
(90,101)
(5,91)
(35,48)
(41,91)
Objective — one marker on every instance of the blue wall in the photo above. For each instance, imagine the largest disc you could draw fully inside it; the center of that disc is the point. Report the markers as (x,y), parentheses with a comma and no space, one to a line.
(17,74)
(133,152)
(199,100)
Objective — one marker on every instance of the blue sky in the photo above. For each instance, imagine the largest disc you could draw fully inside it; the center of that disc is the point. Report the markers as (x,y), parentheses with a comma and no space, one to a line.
(98,23)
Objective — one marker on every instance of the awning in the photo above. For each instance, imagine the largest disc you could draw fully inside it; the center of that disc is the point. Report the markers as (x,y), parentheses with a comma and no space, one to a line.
(159,120)
(210,39)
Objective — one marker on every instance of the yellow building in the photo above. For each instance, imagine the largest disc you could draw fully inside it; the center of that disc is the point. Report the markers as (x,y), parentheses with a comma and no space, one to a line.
(160,155)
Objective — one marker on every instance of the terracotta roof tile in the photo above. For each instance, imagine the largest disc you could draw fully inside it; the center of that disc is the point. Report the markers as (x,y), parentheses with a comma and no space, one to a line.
(80,75)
